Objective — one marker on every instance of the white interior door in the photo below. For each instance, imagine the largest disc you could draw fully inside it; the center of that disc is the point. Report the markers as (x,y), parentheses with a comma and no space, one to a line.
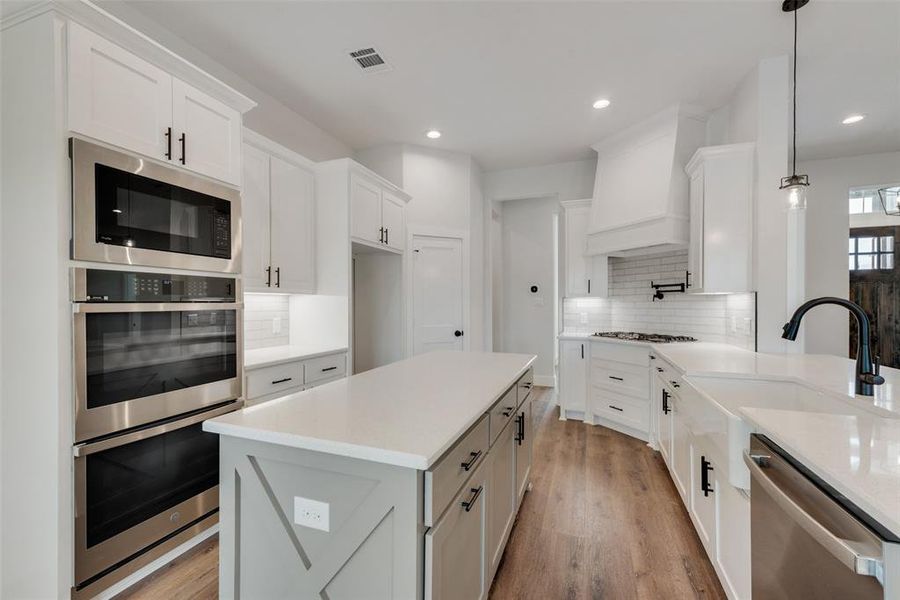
(437,294)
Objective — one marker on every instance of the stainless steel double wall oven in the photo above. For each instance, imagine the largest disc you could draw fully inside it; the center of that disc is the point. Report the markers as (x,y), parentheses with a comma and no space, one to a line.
(155,354)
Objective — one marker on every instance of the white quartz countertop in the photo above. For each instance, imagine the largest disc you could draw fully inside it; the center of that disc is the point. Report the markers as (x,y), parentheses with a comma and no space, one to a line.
(406,413)
(858,455)
(276,355)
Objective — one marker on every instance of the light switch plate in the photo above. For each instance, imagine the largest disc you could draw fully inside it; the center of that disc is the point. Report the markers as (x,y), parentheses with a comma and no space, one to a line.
(311,513)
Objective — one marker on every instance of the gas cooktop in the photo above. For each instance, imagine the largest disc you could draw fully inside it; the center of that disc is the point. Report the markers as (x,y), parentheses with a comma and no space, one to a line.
(636,336)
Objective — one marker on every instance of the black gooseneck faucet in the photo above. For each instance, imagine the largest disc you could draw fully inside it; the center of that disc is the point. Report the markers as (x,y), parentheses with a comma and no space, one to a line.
(867,368)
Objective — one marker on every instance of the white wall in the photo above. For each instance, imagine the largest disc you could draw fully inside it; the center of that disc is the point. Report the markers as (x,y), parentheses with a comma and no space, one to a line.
(567,181)
(529,322)
(827,328)
(270,118)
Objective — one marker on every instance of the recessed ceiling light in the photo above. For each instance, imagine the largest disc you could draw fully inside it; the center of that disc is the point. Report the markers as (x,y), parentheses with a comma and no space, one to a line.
(432,134)
(853,119)
(601,103)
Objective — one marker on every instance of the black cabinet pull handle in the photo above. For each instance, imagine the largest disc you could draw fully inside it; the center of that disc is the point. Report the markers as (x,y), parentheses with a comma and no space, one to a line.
(168,135)
(381,235)
(387,236)
(705,468)
(582,351)
(652,357)
(285,380)
(687,278)
(616,408)
(326,369)
(616,378)
(468,504)
(278,277)
(508,410)
(183,140)
(659,369)
(589,286)
(474,457)
(269,276)
(665,403)
(520,428)
(675,384)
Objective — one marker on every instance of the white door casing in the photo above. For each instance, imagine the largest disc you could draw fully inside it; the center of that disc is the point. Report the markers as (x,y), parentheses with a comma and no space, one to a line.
(438,293)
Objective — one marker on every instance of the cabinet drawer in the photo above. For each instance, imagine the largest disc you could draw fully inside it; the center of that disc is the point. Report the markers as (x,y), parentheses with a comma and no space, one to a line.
(277,378)
(444,479)
(502,413)
(325,367)
(621,409)
(524,385)
(636,355)
(621,377)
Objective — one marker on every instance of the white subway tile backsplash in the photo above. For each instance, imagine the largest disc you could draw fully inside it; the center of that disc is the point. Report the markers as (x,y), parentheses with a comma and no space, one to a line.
(261,314)
(729,318)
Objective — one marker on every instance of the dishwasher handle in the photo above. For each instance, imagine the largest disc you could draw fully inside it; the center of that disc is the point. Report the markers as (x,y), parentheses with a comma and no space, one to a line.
(854,555)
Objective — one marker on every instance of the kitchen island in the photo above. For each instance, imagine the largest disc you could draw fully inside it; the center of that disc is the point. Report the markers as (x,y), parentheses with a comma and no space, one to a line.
(400,482)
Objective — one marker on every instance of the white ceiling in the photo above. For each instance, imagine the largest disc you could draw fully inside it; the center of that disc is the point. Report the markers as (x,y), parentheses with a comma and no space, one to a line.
(512,82)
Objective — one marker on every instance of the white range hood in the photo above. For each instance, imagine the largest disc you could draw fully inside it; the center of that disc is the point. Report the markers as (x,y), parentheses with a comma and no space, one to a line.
(640,203)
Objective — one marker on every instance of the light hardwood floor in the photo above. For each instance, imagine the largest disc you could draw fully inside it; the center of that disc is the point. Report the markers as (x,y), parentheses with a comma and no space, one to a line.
(603,520)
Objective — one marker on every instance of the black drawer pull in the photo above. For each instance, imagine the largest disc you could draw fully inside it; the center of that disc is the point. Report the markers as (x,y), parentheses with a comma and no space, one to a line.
(468,504)
(468,465)
(508,410)
(329,369)
(520,428)
(285,380)
(616,378)
(675,384)
(616,408)
(659,369)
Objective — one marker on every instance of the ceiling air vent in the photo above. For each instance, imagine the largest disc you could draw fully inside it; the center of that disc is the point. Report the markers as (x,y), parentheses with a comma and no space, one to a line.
(369,60)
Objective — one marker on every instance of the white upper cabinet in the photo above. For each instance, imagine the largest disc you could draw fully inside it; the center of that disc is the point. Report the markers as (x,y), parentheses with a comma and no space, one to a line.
(255,219)
(365,209)
(392,220)
(585,275)
(116,97)
(279,217)
(293,226)
(721,240)
(208,134)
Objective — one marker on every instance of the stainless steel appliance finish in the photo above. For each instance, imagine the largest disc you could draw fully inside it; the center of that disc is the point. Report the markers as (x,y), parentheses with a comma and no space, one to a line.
(89,243)
(805,544)
(636,336)
(140,361)
(136,490)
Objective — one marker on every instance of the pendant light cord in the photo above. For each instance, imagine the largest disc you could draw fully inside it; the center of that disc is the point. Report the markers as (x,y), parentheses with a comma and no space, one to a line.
(794,168)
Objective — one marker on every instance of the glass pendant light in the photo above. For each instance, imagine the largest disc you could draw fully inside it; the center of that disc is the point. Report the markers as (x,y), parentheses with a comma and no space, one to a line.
(795,186)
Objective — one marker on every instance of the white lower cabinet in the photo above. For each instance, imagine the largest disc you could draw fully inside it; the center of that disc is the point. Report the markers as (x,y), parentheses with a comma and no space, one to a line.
(681,446)
(733,540)
(501,494)
(455,550)
(269,382)
(703,488)
(574,357)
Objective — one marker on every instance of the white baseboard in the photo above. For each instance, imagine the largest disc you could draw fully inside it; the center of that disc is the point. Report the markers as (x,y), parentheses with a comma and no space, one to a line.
(545,380)
(121,586)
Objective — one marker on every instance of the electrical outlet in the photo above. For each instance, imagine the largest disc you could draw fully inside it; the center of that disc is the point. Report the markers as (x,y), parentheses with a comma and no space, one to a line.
(311,513)
(276,325)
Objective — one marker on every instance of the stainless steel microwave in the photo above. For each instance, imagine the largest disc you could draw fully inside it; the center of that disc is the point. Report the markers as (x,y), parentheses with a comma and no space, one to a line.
(129,210)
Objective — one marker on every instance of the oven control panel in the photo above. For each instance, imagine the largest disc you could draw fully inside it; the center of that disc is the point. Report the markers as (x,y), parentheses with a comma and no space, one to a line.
(131,286)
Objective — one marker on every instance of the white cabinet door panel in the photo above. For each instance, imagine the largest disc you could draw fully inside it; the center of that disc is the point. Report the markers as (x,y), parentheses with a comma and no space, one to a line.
(524,444)
(577,220)
(116,97)
(703,500)
(255,225)
(365,210)
(696,249)
(206,134)
(502,493)
(293,227)
(573,367)
(680,464)
(455,549)
(392,220)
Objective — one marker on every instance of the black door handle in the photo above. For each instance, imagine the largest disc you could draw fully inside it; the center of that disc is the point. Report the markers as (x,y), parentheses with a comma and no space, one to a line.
(278,277)
(468,504)
(168,135)
(458,333)
(268,276)
(520,428)
(705,468)
(381,235)
(387,235)
(183,140)
(474,457)
(665,403)
(582,351)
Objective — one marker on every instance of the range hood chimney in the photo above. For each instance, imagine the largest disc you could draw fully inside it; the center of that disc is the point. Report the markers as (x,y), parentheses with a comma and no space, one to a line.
(640,203)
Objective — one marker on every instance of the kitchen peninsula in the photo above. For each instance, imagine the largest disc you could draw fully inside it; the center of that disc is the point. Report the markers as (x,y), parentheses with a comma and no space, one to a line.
(397,480)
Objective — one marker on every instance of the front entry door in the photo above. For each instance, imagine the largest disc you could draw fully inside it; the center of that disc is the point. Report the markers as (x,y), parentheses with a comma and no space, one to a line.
(437,294)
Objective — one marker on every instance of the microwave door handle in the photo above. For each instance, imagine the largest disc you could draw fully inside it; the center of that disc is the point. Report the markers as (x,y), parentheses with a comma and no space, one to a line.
(92,447)
(850,554)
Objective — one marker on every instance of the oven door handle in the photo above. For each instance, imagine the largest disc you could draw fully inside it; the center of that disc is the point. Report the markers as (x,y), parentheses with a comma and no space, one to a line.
(126,307)
(85,449)
(860,557)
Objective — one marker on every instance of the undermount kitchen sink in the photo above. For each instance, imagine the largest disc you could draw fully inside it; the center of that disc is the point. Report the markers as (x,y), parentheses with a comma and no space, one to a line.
(725,427)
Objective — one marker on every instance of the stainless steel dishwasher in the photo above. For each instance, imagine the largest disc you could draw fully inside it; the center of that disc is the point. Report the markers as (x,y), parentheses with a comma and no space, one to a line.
(806,541)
